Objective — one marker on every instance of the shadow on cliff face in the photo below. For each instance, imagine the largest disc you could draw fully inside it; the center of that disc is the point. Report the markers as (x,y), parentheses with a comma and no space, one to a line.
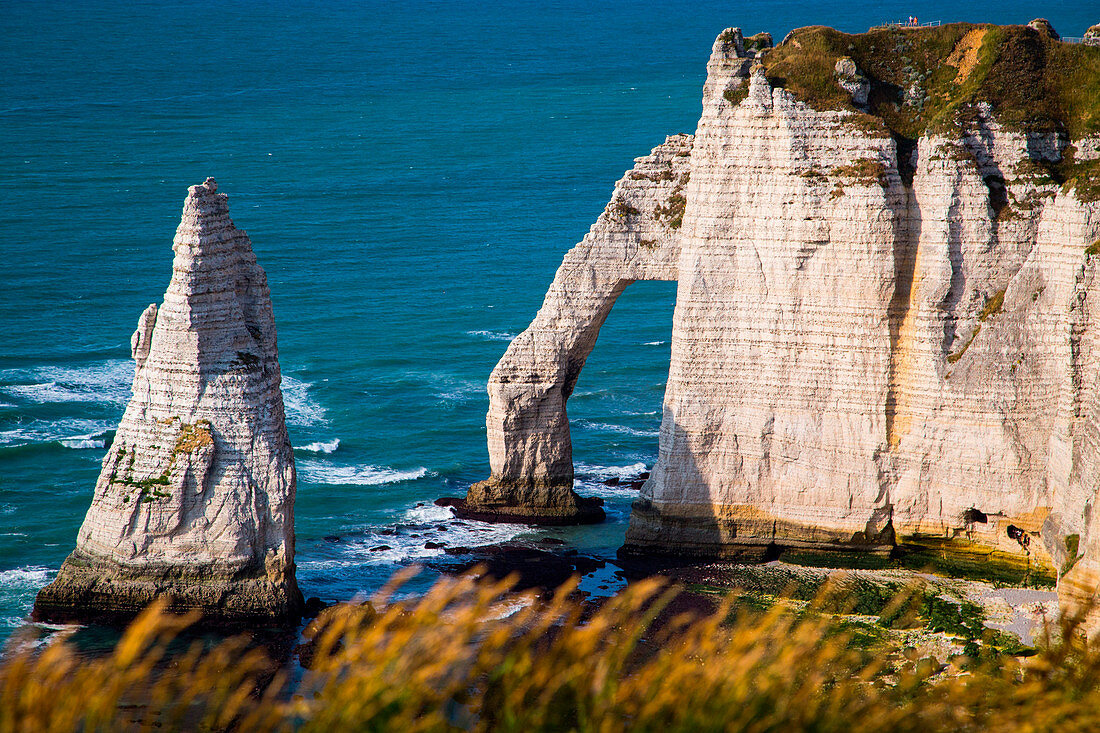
(665,526)
(907,225)
(710,542)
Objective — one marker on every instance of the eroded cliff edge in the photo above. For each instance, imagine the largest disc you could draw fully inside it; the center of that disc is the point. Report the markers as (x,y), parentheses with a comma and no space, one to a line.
(883,332)
(195,500)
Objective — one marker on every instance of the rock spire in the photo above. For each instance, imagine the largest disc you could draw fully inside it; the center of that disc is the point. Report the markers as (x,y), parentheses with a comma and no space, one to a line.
(195,500)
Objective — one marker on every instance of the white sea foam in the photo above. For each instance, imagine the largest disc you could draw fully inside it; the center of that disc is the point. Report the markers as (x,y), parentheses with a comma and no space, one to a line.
(608,427)
(300,407)
(323,472)
(91,440)
(623,492)
(427,524)
(329,446)
(602,473)
(493,335)
(18,588)
(67,429)
(31,577)
(654,343)
(590,481)
(106,382)
(427,513)
(453,390)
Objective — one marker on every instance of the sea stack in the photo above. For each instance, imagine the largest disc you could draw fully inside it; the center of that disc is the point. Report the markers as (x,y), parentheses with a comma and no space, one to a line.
(885,335)
(195,501)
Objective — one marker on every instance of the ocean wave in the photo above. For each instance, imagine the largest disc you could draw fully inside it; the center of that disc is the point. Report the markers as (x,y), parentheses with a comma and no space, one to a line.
(300,407)
(427,513)
(59,431)
(590,480)
(80,442)
(608,427)
(329,446)
(24,579)
(107,382)
(621,492)
(654,343)
(493,335)
(602,473)
(458,391)
(323,472)
(18,588)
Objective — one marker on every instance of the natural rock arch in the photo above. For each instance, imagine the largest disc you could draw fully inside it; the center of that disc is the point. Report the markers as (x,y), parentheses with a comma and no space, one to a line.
(880,334)
(530,451)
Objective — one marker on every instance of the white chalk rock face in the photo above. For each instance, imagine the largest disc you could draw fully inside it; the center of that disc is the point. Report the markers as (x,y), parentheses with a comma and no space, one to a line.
(879,343)
(195,500)
(875,346)
(780,367)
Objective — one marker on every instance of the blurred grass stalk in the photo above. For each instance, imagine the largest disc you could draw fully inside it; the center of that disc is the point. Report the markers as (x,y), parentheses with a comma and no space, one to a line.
(471,655)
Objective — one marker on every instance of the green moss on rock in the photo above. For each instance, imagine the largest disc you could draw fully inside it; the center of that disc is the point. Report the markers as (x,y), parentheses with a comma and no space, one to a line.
(926,79)
(191,438)
(864,171)
(992,306)
(736,95)
(963,559)
(673,212)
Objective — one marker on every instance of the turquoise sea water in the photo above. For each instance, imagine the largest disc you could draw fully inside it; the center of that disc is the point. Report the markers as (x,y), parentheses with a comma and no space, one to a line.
(410,174)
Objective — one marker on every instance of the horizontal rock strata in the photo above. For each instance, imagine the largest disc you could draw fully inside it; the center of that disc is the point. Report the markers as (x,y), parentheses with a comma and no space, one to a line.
(883,335)
(195,501)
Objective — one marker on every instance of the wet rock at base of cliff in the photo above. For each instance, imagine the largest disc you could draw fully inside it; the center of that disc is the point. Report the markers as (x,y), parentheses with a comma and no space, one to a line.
(534,568)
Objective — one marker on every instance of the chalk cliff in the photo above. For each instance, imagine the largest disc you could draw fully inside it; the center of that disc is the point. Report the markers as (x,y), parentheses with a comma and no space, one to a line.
(883,335)
(195,500)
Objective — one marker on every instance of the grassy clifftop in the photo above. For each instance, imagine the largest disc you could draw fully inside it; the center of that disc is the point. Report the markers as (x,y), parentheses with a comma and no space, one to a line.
(926,79)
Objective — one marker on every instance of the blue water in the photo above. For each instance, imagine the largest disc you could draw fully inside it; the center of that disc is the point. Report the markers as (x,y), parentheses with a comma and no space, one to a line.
(410,174)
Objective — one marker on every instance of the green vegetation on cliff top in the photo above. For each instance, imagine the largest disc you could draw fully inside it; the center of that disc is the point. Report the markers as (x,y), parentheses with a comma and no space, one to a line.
(928,79)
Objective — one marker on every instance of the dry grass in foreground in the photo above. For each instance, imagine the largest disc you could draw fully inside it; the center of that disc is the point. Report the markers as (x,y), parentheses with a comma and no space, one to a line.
(471,656)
